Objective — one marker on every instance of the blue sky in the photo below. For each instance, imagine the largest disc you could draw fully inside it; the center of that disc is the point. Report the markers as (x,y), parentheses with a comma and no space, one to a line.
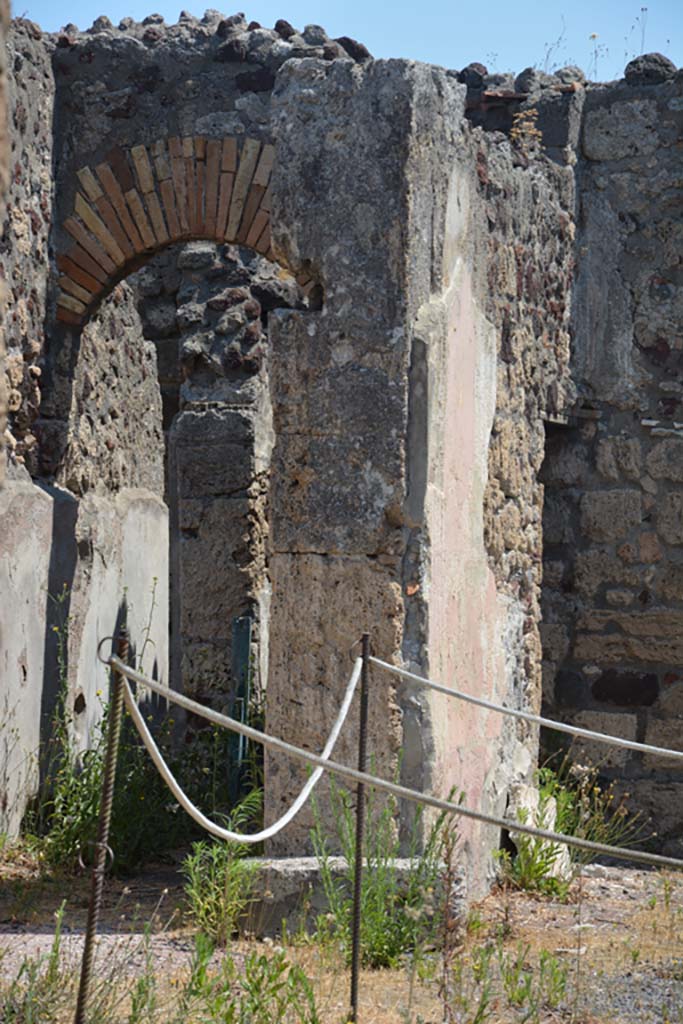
(503,34)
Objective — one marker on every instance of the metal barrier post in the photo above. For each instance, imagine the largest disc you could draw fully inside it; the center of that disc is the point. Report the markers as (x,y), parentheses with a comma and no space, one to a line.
(360,822)
(101,845)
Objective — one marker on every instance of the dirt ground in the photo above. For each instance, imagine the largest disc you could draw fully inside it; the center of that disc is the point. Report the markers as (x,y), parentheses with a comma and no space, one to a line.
(620,939)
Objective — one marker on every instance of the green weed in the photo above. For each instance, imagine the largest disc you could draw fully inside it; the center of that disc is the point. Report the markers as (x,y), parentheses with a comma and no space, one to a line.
(61,822)
(63,816)
(584,808)
(264,990)
(41,987)
(533,868)
(589,809)
(397,910)
(476,986)
(220,881)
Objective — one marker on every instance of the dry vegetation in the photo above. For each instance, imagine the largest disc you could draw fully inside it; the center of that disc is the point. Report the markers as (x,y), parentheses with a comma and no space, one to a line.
(617,943)
(606,948)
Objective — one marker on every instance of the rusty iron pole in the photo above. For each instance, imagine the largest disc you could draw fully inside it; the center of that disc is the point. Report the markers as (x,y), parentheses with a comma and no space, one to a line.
(102,842)
(360,823)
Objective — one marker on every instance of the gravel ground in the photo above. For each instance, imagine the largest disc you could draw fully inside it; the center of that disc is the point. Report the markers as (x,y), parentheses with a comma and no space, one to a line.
(624,932)
(124,954)
(27,910)
(621,936)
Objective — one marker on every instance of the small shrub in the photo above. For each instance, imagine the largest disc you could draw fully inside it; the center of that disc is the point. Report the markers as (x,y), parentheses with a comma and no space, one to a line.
(584,808)
(397,912)
(533,867)
(220,881)
(146,823)
(62,822)
(589,809)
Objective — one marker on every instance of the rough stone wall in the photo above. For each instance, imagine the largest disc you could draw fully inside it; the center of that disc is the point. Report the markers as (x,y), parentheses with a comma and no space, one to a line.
(98,423)
(115,435)
(215,79)
(370,457)
(339,391)
(218,492)
(155,287)
(87,547)
(110,541)
(98,548)
(528,287)
(490,363)
(107,535)
(120,88)
(613,595)
(206,309)
(4,181)
(24,261)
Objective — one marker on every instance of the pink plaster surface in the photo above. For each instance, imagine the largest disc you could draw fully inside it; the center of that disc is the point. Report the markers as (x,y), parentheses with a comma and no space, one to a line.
(465,629)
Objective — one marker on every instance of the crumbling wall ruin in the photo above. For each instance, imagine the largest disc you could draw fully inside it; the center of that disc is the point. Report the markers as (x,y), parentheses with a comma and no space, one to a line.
(80,546)
(206,308)
(610,592)
(613,534)
(24,246)
(83,523)
(323,314)
(4,180)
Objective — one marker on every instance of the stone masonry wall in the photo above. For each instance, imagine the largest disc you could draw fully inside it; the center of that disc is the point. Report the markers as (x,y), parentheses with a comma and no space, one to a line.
(492,362)
(206,307)
(24,259)
(354,424)
(95,530)
(528,283)
(207,310)
(4,182)
(339,391)
(613,590)
(115,432)
(87,546)
(191,86)
(213,81)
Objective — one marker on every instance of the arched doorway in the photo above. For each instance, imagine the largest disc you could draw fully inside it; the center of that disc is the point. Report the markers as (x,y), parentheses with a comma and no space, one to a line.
(157,216)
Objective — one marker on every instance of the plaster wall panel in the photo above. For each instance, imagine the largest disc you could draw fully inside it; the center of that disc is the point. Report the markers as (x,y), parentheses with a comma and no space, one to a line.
(26,516)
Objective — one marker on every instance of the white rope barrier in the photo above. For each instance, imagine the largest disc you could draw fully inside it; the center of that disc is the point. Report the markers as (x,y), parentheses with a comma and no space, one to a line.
(402,792)
(527,716)
(184,800)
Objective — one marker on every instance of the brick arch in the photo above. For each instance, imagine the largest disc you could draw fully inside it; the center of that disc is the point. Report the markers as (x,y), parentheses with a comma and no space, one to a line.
(144,198)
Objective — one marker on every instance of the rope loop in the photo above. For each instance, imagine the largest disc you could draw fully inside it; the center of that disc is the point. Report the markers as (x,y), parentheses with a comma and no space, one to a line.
(104,661)
(182,797)
(95,844)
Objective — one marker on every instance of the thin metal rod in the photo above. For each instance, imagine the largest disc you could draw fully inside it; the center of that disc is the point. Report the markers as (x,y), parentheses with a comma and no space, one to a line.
(102,843)
(360,824)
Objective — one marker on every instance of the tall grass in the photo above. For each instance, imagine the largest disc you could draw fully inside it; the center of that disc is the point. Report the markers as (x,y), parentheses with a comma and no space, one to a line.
(398,906)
